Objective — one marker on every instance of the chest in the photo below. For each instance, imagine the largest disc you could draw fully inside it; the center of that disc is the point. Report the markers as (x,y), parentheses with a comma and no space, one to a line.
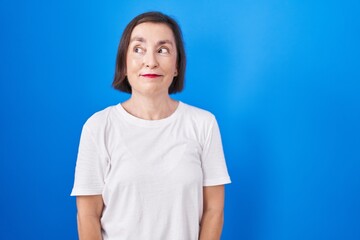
(150,156)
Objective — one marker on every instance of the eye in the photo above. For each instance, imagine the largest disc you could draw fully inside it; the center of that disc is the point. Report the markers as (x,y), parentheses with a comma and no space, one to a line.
(163,50)
(138,50)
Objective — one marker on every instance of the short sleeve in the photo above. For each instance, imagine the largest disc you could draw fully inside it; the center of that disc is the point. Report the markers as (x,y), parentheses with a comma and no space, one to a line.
(91,166)
(213,160)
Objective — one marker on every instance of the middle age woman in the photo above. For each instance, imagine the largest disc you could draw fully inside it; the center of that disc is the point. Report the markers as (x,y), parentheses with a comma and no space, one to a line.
(151,167)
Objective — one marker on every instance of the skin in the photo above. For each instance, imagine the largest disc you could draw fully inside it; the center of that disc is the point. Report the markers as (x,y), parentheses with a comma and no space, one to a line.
(89,210)
(213,213)
(152,50)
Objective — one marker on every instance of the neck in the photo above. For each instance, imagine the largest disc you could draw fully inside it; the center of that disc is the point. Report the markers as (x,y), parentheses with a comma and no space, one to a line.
(150,108)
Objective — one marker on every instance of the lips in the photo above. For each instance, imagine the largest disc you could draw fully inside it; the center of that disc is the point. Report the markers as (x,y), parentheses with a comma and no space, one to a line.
(150,75)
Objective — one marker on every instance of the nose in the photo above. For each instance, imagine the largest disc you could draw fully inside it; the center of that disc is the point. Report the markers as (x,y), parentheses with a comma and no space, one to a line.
(150,60)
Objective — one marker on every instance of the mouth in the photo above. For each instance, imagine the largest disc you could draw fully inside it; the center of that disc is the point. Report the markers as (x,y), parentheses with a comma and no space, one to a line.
(148,75)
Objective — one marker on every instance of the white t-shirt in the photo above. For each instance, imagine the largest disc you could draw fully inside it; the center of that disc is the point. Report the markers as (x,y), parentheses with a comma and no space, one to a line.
(150,173)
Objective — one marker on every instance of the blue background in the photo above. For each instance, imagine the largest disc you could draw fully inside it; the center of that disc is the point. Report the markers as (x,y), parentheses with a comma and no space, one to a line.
(282,77)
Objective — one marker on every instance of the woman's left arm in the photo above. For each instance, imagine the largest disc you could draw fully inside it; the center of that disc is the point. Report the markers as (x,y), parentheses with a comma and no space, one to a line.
(213,213)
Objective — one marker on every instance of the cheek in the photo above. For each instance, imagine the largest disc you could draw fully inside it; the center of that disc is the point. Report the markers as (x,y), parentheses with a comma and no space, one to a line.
(170,65)
(132,58)
(132,64)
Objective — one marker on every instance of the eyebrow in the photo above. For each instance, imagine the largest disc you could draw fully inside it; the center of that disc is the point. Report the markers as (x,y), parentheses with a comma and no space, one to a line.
(161,42)
(138,39)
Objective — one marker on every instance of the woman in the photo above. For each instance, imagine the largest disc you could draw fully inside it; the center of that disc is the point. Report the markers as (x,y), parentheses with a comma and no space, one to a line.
(150,167)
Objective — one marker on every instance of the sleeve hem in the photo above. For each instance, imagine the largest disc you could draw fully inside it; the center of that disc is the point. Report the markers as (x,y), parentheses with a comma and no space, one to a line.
(217,181)
(84,192)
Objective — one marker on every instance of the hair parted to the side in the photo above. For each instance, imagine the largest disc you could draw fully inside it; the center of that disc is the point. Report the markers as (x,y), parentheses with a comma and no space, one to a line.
(120,81)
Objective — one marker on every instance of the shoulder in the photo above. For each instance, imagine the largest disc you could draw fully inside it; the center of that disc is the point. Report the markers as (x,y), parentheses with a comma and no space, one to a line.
(198,121)
(198,114)
(99,119)
(201,121)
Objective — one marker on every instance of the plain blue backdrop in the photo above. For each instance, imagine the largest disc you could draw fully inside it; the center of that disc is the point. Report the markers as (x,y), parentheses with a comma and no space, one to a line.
(282,77)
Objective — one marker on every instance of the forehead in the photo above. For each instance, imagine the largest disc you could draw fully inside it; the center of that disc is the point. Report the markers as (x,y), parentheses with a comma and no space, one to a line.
(153,32)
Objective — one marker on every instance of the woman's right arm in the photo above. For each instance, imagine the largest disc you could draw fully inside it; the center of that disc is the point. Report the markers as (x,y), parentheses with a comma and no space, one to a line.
(89,210)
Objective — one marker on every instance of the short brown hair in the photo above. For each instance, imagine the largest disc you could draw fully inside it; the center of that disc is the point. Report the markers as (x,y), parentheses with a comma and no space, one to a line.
(120,81)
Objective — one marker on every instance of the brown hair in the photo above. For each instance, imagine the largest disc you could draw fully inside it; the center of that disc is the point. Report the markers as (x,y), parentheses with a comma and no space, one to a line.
(120,81)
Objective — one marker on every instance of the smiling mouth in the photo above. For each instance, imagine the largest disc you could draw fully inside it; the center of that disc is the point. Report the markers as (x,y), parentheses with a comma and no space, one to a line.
(151,75)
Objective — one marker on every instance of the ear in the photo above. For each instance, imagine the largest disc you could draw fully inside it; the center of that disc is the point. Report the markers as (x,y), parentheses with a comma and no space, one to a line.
(175,73)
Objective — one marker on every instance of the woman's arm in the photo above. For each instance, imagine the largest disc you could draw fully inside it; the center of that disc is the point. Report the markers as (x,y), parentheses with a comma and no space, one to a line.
(213,214)
(89,213)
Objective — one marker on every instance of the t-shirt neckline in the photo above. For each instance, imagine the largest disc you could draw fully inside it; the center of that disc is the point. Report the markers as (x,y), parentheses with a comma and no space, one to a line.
(148,123)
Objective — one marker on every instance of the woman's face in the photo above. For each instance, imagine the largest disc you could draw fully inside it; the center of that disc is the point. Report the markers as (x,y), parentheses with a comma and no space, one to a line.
(151,59)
